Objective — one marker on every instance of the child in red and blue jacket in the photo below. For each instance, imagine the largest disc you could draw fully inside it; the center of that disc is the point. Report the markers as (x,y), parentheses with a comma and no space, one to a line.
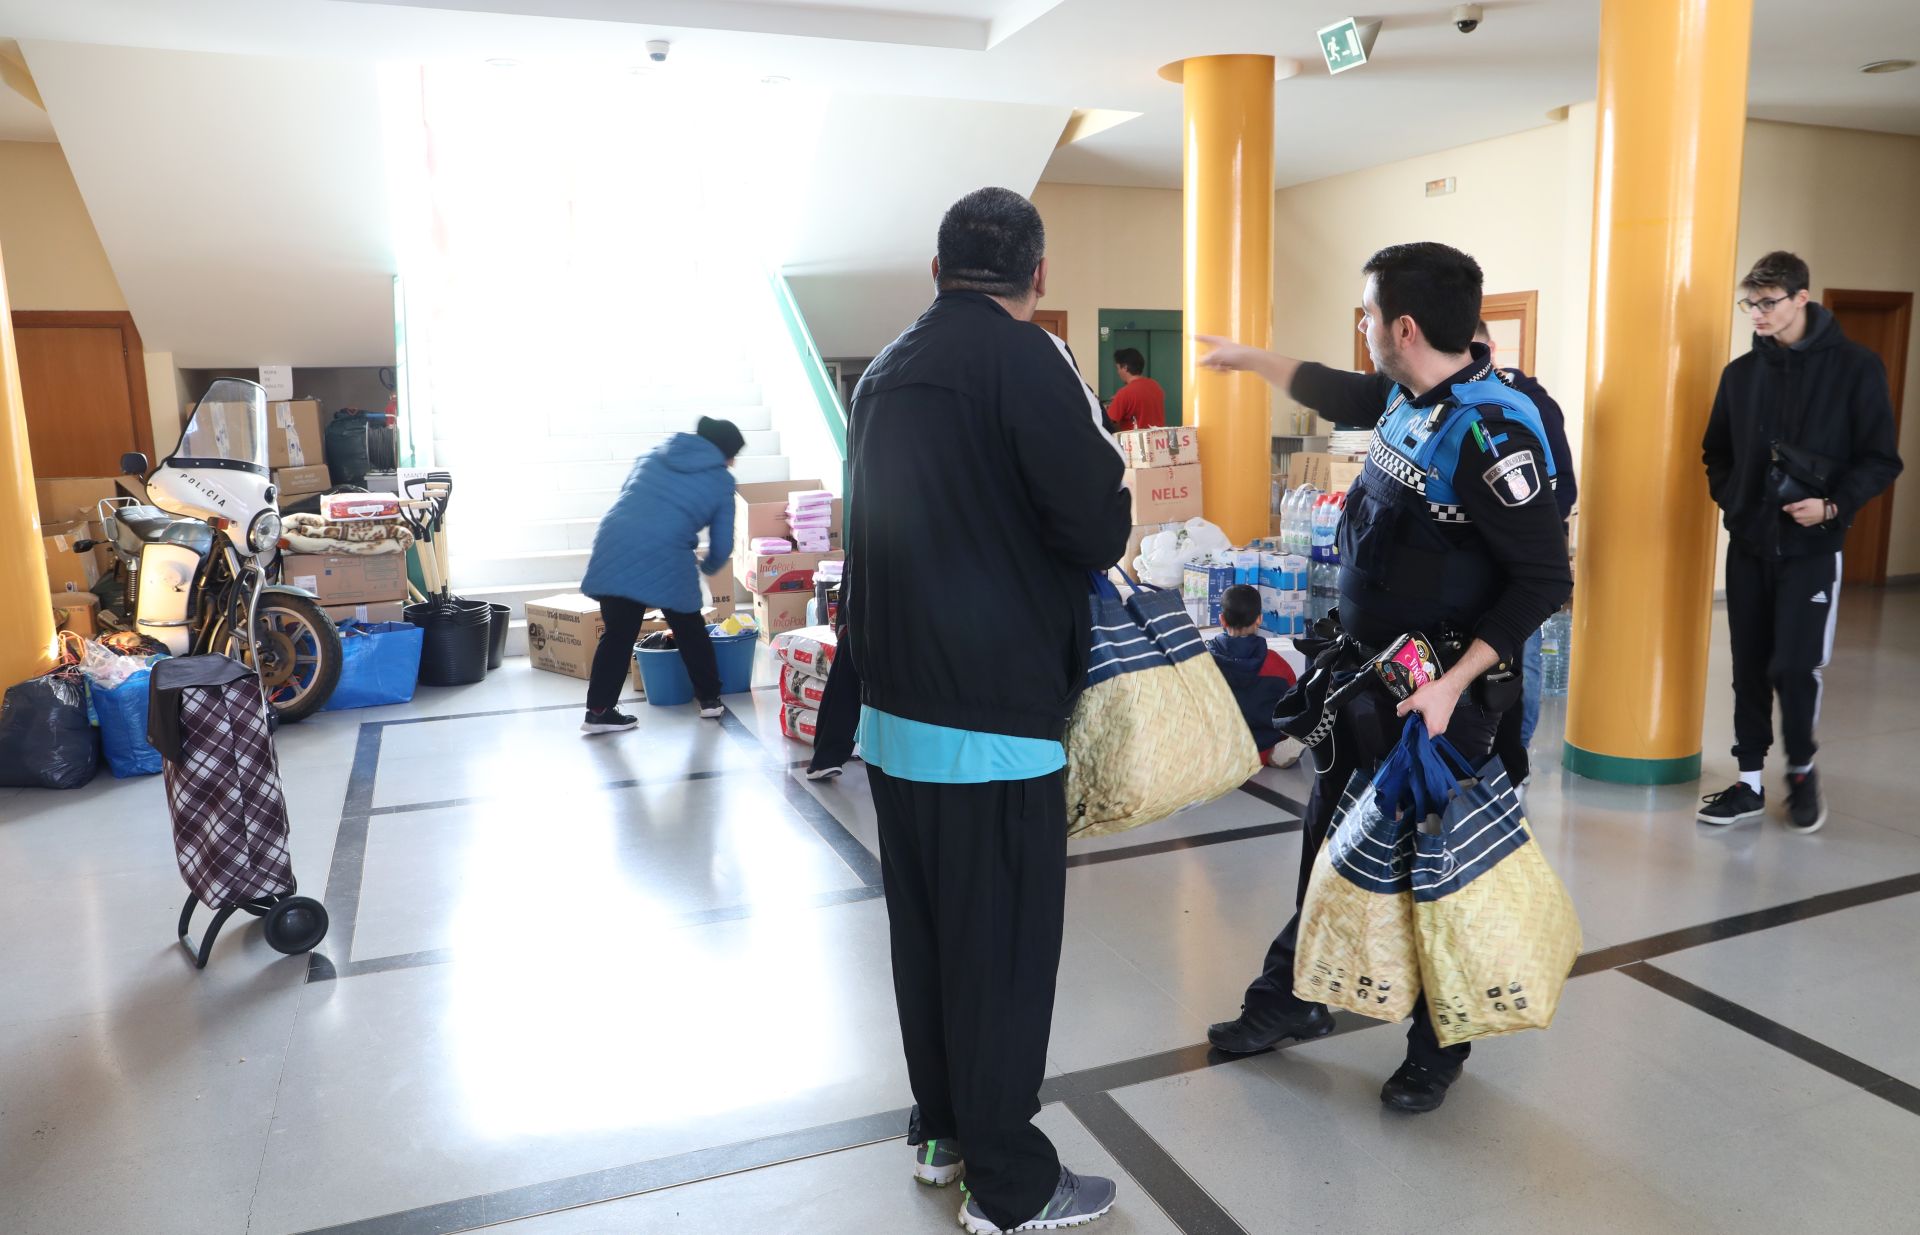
(1257,674)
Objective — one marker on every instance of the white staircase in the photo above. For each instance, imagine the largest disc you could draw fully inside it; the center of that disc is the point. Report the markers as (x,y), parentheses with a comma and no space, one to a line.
(525,511)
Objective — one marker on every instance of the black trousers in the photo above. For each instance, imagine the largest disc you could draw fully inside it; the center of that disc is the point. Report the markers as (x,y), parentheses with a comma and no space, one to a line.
(976,882)
(613,659)
(839,711)
(1780,614)
(1472,733)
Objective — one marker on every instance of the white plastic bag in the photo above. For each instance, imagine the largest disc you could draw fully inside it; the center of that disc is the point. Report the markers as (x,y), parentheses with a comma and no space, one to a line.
(1164,555)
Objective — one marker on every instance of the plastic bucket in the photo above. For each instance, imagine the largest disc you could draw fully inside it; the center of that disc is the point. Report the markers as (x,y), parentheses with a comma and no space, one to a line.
(502,618)
(453,651)
(735,655)
(665,676)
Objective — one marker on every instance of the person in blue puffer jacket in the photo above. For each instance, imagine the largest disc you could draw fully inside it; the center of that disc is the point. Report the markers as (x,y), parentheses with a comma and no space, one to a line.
(643,558)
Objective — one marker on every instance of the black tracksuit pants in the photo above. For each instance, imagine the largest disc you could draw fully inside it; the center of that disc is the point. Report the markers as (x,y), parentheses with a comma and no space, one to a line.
(839,711)
(1780,614)
(1472,733)
(976,882)
(613,659)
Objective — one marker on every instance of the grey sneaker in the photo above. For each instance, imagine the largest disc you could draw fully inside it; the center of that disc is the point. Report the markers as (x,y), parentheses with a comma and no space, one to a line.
(937,1163)
(1076,1201)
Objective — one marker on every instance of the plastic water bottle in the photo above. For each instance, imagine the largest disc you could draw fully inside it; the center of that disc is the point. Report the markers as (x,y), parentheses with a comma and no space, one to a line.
(1556,650)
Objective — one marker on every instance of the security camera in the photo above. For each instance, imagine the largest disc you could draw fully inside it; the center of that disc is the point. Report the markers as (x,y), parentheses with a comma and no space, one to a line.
(1466,17)
(657,50)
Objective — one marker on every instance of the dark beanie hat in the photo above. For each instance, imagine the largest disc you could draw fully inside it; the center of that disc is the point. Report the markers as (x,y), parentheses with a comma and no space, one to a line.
(722,433)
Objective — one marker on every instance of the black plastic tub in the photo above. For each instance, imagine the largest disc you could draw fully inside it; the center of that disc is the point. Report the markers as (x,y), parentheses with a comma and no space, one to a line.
(458,636)
(497,634)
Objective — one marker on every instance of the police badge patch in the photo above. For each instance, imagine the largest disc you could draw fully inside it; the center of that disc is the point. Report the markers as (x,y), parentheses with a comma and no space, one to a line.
(1514,479)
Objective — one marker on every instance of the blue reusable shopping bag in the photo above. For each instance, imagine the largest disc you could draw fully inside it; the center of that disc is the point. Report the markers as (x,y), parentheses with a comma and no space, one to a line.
(122,713)
(380,665)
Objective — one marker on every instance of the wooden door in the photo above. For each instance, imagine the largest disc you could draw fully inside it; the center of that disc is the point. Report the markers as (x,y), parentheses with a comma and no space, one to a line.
(1053,321)
(1881,321)
(83,378)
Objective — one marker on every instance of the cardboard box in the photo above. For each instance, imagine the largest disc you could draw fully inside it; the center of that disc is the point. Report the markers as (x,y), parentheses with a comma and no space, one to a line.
(563,632)
(347,578)
(1164,494)
(1174,446)
(78,612)
(1325,472)
(69,499)
(295,434)
(720,595)
(367,615)
(779,612)
(781,572)
(760,509)
(68,571)
(295,483)
(1342,472)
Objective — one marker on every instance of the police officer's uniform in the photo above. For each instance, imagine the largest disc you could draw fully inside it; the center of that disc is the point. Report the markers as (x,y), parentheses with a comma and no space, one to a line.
(1451,530)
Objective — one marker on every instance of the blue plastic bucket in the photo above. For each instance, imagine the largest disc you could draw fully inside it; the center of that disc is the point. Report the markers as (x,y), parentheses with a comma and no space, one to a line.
(665,676)
(735,654)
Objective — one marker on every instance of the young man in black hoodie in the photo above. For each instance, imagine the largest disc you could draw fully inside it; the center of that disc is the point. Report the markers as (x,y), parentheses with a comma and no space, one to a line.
(980,495)
(1801,437)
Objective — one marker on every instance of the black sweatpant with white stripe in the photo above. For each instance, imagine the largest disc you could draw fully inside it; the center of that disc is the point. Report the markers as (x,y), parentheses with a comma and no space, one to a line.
(1780,613)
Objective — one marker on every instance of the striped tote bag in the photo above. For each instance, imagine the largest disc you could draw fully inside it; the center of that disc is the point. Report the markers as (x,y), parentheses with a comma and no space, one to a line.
(1156,730)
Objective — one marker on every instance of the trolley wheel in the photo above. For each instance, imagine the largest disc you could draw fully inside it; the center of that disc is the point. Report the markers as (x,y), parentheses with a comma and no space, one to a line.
(295,925)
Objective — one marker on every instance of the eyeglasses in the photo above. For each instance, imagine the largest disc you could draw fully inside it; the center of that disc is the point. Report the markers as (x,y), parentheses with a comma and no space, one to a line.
(1748,305)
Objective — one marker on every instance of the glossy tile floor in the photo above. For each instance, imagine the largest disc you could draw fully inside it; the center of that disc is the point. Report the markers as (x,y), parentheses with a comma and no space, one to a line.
(640,984)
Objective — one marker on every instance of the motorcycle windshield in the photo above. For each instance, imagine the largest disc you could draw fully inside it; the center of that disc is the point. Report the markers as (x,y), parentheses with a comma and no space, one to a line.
(228,428)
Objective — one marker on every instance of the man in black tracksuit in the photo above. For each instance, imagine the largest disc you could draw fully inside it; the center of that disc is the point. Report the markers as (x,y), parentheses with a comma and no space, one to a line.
(1801,437)
(981,494)
(1451,530)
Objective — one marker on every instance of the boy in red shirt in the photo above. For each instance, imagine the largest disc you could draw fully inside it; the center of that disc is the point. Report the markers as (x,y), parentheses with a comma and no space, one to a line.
(1141,403)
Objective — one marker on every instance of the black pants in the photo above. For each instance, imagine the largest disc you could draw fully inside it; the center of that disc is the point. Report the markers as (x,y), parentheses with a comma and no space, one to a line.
(976,880)
(1472,733)
(613,659)
(839,711)
(1780,613)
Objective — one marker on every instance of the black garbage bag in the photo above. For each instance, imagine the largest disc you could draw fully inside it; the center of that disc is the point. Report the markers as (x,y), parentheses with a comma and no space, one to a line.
(658,641)
(45,740)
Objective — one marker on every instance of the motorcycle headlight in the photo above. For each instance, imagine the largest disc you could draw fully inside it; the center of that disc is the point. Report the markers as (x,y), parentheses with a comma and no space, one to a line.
(265,532)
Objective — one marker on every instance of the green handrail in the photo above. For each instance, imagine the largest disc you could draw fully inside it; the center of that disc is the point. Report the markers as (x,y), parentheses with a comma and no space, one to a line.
(824,391)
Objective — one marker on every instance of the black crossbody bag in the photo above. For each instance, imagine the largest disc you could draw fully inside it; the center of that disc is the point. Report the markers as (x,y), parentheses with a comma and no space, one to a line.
(1795,475)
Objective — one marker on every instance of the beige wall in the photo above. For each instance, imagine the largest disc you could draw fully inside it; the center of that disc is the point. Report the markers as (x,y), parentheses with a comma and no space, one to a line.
(1108,249)
(54,259)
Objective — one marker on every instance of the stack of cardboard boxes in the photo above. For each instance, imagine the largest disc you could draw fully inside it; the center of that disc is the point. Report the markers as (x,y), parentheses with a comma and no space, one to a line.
(69,512)
(781,583)
(352,587)
(296,450)
(1163,474)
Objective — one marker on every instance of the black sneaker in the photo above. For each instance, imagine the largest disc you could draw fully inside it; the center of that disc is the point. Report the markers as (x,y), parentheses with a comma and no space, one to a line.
(1806,809)
(1255,1031)
(609,720)
(1417,1090)
(712,709)
(825,771)
(1733,804)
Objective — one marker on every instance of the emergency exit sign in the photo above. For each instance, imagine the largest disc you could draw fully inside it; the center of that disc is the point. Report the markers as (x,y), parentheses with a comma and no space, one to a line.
(1340,43)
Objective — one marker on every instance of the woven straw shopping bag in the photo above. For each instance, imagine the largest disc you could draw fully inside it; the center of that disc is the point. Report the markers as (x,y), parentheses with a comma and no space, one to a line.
(1356,945)
(1156,730)
(1497,932)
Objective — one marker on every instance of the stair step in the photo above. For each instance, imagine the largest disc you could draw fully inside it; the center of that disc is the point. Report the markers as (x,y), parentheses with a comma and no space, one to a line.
(504,571)
(622,448)
(515,596)
(507,537)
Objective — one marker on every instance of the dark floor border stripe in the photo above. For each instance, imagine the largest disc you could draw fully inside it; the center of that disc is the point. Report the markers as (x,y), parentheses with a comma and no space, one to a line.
(1670,942)
(342,895)
(1179,1196)
(619,1182)
(1174,844)
(1272,797)
(1855,1072)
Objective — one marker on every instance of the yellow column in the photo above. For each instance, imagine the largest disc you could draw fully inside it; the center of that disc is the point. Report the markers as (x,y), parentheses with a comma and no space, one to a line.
(26,611)
(1672,117)
(1229,277)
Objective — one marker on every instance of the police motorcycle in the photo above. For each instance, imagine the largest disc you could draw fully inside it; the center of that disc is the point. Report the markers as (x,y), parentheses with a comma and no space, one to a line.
(195,564)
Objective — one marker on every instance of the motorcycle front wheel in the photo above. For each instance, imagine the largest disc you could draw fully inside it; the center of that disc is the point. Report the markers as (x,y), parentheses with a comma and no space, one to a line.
(300,654)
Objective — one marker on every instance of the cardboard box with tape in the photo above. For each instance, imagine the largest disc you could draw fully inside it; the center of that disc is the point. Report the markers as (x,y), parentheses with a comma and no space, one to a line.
(68,570)
(296,483)
(348,578)
(77,612)
(367,615)
(296,434)
(1175,446)
(779,612)
(1164,494)
(563,632)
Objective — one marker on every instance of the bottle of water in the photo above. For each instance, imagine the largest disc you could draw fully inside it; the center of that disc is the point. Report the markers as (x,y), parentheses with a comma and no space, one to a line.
(1556,648)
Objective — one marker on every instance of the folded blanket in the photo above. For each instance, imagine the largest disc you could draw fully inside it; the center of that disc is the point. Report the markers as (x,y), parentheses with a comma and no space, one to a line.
(313,534)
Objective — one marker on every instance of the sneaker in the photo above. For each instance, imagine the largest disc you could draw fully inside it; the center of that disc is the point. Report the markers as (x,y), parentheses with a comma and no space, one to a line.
(1806,809)
(1417,1090)
(712,709)
(1253,1032)
(610,720)
(1732,805)
(1076,1201)
(825,773)
(938,1163)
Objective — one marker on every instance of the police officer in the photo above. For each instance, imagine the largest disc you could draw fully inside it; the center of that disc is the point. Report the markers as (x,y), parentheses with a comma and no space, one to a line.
(1451,530)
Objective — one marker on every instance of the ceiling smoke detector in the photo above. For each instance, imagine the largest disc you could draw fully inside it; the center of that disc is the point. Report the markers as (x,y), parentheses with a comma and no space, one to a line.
(1886,66)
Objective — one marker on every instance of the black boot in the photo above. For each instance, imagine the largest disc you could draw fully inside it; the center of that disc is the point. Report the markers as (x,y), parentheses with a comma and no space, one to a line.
(1255,1031)
(1416,1090)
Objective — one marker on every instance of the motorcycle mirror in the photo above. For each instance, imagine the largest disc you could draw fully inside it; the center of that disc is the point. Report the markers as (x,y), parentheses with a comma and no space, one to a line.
(133,463)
